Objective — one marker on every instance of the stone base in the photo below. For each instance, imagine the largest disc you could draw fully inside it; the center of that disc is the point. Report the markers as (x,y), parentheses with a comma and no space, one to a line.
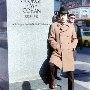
(32,85)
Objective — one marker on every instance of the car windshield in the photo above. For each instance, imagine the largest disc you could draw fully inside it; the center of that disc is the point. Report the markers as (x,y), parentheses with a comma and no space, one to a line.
(86,33)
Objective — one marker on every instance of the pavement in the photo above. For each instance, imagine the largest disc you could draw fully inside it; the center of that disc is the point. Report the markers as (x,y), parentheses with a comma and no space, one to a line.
(82,73)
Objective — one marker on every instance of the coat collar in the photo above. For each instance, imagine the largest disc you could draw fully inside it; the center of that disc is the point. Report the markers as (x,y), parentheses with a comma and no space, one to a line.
(63,27)
(60,24)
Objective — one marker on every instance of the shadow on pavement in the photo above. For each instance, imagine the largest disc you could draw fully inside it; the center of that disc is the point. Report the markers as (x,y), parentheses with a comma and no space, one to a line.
(26,85)
(82,75)
(44,71)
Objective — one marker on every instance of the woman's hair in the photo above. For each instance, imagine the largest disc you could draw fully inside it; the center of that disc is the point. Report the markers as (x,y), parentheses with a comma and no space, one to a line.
(71,15)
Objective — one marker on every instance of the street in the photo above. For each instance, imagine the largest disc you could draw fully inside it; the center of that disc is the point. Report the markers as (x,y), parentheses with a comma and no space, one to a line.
(82,72)
(4,78)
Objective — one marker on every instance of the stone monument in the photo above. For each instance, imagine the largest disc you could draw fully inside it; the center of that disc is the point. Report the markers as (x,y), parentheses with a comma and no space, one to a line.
(28,23)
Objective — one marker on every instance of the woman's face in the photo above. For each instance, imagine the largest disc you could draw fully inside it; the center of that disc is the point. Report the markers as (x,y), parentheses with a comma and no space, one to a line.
(72,19)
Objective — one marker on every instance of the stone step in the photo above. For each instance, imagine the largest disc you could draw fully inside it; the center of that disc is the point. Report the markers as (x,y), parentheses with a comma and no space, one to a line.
(39,85)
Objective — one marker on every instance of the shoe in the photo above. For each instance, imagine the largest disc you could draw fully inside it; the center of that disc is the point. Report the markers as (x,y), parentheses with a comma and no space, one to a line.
(58,78)
(52,85)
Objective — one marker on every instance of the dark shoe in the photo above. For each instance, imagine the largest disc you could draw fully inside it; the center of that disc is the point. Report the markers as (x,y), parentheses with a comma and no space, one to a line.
(52,85)
(58,78)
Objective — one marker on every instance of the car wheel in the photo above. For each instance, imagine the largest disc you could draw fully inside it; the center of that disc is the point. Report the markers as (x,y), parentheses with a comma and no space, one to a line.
(86,43)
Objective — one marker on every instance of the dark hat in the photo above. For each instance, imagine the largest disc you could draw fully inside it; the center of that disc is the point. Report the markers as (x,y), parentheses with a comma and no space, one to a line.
(63,10)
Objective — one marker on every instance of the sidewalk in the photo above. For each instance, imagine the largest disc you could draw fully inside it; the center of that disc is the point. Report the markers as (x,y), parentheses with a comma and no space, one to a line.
(82,77)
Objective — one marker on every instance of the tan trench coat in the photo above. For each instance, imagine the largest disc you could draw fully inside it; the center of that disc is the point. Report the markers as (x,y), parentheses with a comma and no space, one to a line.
(63,40)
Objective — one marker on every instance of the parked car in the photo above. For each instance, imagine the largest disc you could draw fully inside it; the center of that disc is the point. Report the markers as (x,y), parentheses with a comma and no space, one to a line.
(85,37)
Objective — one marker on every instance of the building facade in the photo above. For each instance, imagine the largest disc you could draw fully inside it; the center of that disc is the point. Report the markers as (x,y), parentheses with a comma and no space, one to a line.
(75,3)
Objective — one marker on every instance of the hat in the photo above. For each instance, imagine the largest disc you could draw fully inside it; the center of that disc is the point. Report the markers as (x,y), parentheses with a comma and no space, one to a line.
(63,10)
